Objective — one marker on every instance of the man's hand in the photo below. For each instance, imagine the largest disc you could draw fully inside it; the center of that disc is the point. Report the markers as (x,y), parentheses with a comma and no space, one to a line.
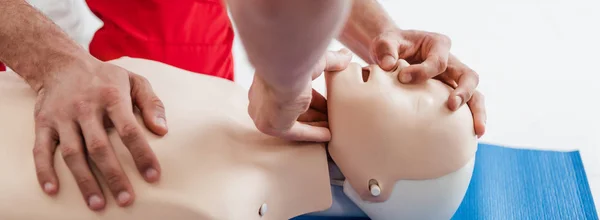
(298,117)
(464,81)
(429,56)
(78,96)
(73,109)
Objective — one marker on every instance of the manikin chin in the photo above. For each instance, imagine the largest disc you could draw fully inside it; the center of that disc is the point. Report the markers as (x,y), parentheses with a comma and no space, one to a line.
(403,153)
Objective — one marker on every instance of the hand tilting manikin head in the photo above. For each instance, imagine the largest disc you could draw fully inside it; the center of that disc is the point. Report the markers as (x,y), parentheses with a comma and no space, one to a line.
(385,132)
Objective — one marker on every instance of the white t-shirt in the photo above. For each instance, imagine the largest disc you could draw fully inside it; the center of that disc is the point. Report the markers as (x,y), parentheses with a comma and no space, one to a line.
(73,16)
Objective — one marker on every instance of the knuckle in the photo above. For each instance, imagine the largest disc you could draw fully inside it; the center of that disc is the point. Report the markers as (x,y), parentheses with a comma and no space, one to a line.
(85,182)
(82,107)
(156,102)
(97,148)
(70,153)
(42,118)
(442,38)
(138,84)
(419,75)
(113,178)
(111,94)
(474,75)
(382,45)
(266,128)
(129,132)
(43,171)
(440,64)
(142,79)
(380,39)
(300,105)
(142,158)
(38,151)
(304,103)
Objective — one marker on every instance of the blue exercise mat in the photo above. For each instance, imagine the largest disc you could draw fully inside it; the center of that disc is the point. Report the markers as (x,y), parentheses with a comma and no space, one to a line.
(510,183)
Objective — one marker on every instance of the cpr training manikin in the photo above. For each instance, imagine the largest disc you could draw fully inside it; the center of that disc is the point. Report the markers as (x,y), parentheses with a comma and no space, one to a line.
(404,155)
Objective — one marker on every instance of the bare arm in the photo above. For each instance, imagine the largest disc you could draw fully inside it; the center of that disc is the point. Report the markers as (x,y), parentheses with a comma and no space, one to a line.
(284,39)
(31,44)
(367,21)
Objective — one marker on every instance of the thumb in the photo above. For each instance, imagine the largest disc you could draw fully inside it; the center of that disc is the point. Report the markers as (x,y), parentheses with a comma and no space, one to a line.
(334,61)
(151,107)
(337,60)
(385,53)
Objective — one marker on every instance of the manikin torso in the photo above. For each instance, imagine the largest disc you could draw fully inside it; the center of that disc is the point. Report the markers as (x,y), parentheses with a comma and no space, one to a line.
(216,165)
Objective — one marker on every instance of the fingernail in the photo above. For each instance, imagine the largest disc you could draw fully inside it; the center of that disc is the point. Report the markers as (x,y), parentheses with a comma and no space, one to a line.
(95,202)
(458,101)
(161,122)
(49,187)
(151,174)
(388,61)
(123,198)
(406,78)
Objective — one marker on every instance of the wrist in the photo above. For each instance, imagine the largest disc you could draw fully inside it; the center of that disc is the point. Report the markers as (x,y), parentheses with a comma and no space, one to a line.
(46,69)
(284,93)
(359,34)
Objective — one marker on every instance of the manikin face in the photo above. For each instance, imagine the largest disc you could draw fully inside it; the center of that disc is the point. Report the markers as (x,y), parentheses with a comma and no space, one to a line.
(384,131)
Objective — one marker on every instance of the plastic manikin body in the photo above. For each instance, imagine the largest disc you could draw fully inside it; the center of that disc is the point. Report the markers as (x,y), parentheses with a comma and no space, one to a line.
(403,153)
(395,138)
(215,164)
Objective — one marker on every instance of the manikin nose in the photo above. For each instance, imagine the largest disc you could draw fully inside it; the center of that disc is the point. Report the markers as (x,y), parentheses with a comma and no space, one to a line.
(355,75)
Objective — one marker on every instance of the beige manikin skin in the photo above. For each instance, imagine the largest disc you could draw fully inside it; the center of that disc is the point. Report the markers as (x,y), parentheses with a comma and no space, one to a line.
(215,164)
(397,131)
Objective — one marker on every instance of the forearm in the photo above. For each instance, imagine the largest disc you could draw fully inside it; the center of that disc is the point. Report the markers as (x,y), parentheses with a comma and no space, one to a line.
(31,44)
(367,20)
(284,39)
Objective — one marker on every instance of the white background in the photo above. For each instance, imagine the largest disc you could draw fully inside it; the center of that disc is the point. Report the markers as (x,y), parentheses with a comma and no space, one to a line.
(538,62)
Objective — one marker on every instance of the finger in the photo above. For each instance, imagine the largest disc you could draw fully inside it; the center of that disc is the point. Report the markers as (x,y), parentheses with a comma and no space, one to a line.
(121,114)
(334,61)
(152,108)
(467,83)
(446,80)
(338,60)
(312,115)
(304,132)
(43,156)
(477,106)
(435,63)
(318,102)
(71,147)
(323,124)
(101,151)
(385,51)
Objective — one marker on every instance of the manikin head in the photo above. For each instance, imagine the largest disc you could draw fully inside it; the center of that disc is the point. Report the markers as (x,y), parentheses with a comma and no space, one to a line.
(385,132)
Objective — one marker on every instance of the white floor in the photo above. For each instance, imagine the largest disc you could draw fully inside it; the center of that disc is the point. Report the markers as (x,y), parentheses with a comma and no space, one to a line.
(537,60)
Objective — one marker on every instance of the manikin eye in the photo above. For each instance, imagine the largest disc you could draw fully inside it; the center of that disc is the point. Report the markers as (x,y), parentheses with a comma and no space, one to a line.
(366,72)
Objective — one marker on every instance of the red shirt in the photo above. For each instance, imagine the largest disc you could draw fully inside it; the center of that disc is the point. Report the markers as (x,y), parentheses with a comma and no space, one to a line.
(194,35)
